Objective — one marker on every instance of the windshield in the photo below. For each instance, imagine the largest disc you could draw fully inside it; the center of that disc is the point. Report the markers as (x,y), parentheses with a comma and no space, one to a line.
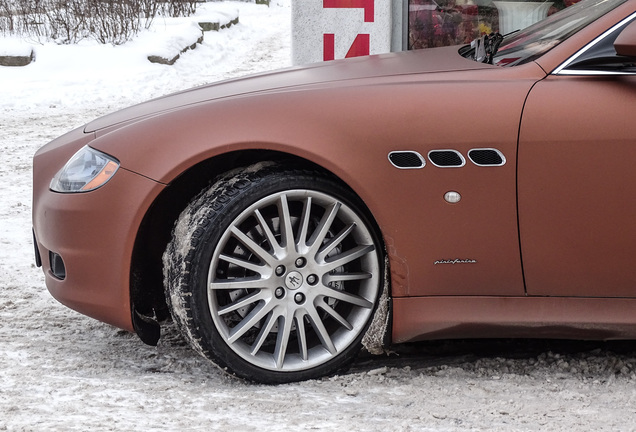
(532,42)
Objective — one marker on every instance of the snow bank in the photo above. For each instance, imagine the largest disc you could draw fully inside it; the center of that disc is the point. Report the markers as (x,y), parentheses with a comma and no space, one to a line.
(167,46)
(15,52)
(89,75)
(218,19)
(11,46)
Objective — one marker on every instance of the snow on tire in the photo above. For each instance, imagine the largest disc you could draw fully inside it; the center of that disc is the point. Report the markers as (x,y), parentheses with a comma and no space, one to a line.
(274,274)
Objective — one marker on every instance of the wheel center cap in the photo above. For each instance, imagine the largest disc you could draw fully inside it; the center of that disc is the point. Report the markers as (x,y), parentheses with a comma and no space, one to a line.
(293,280)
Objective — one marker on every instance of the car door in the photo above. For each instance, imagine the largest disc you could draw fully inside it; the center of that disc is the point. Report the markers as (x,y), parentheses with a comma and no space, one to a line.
(577,177)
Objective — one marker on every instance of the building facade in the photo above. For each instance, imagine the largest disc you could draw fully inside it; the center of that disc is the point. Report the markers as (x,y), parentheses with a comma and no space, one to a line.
(331,29)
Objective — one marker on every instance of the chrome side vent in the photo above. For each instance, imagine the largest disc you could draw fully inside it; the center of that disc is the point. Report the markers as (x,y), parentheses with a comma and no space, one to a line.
(486,157)
(406,159)
(446,158)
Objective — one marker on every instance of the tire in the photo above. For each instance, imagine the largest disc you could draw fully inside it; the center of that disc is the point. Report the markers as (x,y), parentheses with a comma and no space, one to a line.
(274,274)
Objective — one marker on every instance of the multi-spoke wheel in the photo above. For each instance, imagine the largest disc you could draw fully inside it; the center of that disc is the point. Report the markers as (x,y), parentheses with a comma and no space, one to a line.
(275,275)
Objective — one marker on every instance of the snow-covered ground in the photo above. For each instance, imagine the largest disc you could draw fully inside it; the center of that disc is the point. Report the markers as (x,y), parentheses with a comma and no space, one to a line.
(62,371)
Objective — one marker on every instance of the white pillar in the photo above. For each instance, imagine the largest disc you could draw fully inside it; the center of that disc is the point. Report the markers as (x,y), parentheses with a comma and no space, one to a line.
(335,29)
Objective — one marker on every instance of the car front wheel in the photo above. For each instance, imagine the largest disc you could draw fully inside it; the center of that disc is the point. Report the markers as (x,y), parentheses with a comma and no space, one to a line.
(275,274)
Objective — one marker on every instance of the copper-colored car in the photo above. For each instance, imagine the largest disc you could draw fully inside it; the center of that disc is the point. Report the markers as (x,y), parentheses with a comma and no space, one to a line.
(286,219)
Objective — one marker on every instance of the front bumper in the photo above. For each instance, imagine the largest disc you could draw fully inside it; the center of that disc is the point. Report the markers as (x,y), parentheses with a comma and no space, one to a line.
(92,233)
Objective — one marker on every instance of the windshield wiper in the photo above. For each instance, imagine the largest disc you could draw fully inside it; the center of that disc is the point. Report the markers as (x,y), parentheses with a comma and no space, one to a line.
(484,48)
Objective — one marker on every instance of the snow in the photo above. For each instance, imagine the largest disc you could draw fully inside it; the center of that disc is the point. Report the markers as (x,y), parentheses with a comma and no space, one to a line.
(15,47)
(62,371)
(173,39)
(223,13)
(93,75)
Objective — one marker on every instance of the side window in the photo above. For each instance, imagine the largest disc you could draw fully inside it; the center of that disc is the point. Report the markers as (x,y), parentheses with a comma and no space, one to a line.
(601,57)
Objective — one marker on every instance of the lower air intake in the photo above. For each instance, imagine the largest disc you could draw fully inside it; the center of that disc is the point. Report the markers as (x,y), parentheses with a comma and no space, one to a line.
(57,266)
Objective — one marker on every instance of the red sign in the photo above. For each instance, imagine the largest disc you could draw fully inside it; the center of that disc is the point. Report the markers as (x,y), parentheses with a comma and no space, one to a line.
(367,5)
(361,45)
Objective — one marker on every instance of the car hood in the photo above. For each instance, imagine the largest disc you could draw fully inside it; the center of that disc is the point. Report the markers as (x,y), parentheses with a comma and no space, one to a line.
(384,65)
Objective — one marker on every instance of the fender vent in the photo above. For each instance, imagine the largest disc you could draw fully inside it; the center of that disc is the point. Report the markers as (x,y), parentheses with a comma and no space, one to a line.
(446,158)
(486,157)
(406,160)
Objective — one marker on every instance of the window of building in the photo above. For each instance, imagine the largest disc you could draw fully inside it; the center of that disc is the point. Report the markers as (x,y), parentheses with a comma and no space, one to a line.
(436,23)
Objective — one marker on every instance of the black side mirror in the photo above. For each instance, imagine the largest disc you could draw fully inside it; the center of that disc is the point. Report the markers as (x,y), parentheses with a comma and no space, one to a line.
(625,43)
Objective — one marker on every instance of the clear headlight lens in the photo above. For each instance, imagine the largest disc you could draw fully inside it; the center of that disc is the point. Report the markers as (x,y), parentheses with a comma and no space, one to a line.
(87,170)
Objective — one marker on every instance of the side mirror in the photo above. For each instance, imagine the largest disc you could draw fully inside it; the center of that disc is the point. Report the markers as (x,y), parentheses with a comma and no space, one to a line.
(625,43)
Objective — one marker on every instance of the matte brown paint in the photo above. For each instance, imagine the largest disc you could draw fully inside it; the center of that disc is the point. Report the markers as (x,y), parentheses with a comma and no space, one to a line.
(625,43)
(554,131)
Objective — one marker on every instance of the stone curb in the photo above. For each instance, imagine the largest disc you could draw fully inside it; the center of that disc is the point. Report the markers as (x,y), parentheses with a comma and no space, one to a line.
(17,60)
(172,60)
(204,25)
(216,25)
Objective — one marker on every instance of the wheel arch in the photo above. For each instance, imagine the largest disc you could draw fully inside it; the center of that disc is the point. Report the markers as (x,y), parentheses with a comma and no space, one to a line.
(148,302)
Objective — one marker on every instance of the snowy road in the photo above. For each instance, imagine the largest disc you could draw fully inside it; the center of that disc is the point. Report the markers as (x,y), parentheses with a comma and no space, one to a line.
(62,371)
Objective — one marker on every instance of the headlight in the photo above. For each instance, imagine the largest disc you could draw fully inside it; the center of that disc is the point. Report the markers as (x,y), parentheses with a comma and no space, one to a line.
(87,170)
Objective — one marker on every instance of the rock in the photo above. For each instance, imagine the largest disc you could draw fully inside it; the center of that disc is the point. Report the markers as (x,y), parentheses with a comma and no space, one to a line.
(219,20)
(15,52)
(175,43)
(11,60)
(216,25)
